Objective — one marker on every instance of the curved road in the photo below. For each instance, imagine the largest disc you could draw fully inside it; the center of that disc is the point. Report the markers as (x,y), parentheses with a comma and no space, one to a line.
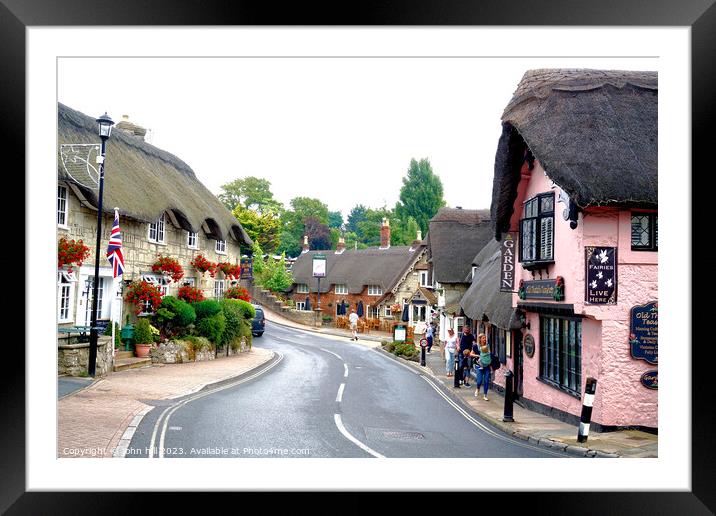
(323,396)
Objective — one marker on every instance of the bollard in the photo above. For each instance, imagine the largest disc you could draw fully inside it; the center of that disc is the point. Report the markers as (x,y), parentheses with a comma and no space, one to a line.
(423,343)
(507,415)
(586,417)
(457,373)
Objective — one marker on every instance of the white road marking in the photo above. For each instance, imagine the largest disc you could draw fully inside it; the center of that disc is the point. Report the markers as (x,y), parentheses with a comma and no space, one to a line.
(171,410)
(339,398)
(345,366)
(342,429)
(332,353)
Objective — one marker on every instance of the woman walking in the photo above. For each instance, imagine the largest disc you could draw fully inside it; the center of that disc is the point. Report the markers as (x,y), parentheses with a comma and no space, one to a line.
(450,350)
(481,352)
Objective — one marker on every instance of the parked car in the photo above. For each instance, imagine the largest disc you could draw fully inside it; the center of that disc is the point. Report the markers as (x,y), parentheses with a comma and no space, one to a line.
(258,323)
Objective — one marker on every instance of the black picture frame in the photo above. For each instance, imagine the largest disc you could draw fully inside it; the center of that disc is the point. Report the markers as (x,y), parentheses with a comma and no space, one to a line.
(699,15)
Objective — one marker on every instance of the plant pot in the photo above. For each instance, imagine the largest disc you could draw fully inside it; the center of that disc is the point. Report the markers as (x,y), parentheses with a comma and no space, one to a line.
(142,350)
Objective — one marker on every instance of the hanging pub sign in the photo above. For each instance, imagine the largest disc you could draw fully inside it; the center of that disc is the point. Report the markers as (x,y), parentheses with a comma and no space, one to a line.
(643,332)
(507,269)
(319,265)
(247,268)
(529,345)
(601,275)
(650,380)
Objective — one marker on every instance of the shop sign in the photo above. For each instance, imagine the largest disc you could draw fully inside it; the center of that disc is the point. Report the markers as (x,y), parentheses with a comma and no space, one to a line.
(650,380)
(552,289)
(601,275)
(319,265)
(529,345)
(507,269)
(247,269)
(643,332)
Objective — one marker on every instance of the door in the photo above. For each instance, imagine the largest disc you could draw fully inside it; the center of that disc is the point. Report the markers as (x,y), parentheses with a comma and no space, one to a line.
(517,336)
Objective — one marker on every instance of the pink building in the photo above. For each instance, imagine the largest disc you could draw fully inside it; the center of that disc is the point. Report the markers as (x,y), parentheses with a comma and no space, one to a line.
(576,185)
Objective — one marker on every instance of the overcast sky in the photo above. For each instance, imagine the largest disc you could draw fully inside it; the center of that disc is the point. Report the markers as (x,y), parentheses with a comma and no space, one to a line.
(339,129)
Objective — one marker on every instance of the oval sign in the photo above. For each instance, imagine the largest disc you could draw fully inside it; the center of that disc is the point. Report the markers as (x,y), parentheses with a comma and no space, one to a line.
(529,345)
(650,379)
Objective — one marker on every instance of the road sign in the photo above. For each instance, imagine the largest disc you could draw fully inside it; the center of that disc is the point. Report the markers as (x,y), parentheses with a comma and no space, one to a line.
(424,342)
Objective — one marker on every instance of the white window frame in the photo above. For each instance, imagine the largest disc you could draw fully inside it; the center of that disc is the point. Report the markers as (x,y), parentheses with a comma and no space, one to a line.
(341,288)
(219,288)
(301,305)
(191,282)
(375,290)
(386,311)
(424,279)
(65,283)
(158,280)
(63,204)
(220,247)
(301,288)
(157,229)
(192,236)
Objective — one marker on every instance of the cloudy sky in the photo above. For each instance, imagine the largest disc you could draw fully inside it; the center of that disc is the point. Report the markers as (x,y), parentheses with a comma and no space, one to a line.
(340,129)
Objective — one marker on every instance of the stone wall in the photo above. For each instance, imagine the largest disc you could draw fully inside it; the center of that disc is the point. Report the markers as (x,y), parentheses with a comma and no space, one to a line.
(271,302)
(176,352)
(73,358)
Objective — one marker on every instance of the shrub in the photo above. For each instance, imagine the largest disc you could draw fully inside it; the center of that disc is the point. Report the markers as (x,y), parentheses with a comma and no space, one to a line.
(212,327)
(389,346)
(237,293)
(196,344)
(238,315)
(206,308)
(143,332)
(184,313)
(405,349)
(247,309)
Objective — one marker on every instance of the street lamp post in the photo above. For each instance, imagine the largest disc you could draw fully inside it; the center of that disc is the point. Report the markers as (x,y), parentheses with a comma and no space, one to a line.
(105,129)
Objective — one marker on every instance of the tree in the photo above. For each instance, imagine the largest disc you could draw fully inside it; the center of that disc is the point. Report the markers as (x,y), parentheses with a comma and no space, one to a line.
(262,228)
(335,219)
(356,215)
(369,228)
(319,234)
(293,221)
(421,195)
(250,193)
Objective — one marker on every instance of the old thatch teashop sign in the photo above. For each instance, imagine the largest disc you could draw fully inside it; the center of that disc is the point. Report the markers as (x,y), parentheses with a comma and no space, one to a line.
(643,332)
(507,269)
(601,275)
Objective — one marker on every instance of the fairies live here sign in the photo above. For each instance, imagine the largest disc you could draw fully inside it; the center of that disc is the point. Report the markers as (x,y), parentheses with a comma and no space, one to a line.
(601,275)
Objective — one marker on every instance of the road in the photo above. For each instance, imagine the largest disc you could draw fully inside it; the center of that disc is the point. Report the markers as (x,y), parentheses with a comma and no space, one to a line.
(322,397)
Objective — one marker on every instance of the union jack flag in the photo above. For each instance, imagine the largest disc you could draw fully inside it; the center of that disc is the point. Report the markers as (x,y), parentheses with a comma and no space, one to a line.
(114,249)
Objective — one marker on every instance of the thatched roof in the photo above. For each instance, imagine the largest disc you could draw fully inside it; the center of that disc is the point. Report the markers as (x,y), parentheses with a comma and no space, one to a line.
(357,268)
(484,296)
(454,237)
(593,131)
(144,181)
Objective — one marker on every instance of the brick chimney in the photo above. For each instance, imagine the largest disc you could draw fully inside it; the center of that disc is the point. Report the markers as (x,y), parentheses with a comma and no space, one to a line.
(341,245)
(385,234)
(305,244)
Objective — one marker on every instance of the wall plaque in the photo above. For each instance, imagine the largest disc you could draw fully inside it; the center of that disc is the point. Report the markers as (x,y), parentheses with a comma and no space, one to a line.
(507,269)
(529,344)
(650,380)
(601,275)
(643,332)
(552,289)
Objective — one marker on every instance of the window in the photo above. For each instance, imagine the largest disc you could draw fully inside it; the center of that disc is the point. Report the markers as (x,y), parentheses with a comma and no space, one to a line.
(561,353)
(221,246)
(156,230)
(537,229)
(341,288)
(100,296)
(62,206)
(158,280)
(424,279)
(372,312)
(386,311)
(219,288)
(644,231)
(375,290)
(300,305)
(192,240)
(189,282)
(65,282)
(419,312)
(301,288)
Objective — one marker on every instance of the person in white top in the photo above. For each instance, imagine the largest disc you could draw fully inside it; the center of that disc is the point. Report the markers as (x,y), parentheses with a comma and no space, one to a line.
(353,320)
(450,350)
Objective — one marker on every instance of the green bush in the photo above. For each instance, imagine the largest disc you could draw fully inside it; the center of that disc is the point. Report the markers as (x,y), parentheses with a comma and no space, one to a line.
(207,308)
(143,331)
(184,313)
(212,327)
(405,349)
(248,311)
(389,346)
(238,316)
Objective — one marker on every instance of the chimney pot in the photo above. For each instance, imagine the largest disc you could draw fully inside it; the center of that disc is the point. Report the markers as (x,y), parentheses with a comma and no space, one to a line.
(385,234)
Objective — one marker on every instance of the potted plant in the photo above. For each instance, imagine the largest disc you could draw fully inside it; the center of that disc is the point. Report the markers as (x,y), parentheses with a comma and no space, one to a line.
(71,252)
(237,293)
(142,294)
(190,294)
(168,266)
(202,265)
(230,270)
(143,337)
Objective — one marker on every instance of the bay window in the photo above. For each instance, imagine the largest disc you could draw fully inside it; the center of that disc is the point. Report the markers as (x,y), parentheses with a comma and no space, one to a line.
(537,230)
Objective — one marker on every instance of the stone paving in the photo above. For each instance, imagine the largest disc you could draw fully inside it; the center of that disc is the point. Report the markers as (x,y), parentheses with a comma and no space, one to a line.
(91,421)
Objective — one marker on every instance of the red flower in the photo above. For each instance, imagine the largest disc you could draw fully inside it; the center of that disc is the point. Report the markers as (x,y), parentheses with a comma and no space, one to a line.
(190,294)
(169,266)
(202,265)
(230,271)
(237,293)
(141,292)
(70,251)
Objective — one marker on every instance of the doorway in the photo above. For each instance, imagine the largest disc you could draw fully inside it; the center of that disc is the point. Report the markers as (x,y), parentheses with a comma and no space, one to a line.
(518,363)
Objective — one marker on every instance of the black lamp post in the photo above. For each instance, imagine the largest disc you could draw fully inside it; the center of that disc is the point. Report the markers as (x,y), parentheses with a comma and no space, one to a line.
(105,129)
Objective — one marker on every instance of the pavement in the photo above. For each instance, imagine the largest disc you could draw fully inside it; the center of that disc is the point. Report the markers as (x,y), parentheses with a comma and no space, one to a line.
(527,425)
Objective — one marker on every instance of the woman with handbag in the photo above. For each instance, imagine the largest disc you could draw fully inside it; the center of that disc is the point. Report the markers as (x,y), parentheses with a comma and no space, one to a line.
(483,359)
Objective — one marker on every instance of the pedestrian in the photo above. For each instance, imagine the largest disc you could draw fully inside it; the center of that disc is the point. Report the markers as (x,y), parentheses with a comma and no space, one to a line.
(467,339)
(353,320)
(450,348)
(483,360)
(430,335)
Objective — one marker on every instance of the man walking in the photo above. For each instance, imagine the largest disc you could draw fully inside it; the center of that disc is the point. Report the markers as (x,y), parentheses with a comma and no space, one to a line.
(353,320)
(467,339)
(429,335)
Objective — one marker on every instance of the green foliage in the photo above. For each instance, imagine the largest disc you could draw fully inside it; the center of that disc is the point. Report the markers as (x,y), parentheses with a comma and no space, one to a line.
(335,220)
(274,276)
(235,313)
(403,349)
(250,193)
(184,313)
(207,308)
(293,221)
(143,331)
(117,331)
(264,229)
(421,194)
(212,327)
(356,215)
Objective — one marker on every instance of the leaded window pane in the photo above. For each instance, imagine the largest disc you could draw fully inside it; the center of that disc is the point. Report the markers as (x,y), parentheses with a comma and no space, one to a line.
(640,230)
(547,204)
(528,239)
(62,205)
(546,238)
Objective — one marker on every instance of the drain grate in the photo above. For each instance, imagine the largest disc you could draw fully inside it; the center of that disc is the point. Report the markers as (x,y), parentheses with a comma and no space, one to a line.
(384,434)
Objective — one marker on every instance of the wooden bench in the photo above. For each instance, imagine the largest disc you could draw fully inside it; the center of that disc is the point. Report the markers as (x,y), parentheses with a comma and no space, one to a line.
(82,331)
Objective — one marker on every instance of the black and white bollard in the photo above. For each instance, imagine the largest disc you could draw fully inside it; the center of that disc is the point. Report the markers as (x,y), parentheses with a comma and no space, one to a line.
(507,414)
(457,373)
(423,345)
(587,403)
